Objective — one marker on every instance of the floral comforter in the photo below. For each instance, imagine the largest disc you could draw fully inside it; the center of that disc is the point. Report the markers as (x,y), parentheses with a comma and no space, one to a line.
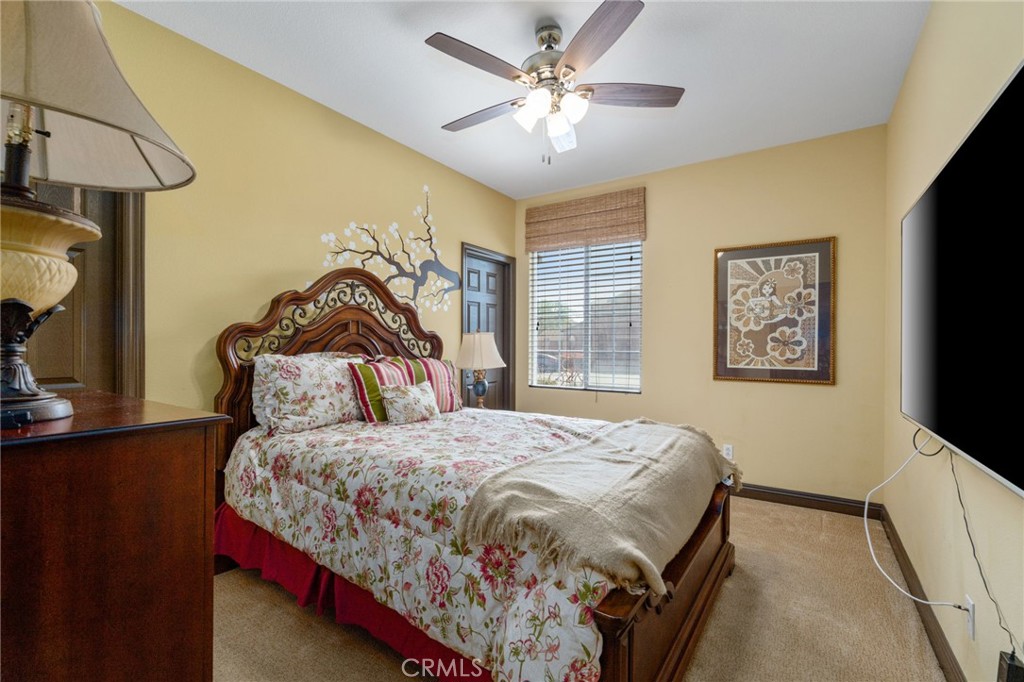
(378,505)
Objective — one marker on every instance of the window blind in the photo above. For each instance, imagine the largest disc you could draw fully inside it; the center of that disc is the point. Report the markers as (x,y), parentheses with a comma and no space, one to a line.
(610,218)
(585,317)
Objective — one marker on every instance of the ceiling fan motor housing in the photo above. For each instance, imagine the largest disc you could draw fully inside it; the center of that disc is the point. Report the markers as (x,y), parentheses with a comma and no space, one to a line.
(541,66)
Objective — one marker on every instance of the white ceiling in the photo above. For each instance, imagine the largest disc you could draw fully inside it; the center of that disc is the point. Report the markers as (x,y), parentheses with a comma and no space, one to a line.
(757,75)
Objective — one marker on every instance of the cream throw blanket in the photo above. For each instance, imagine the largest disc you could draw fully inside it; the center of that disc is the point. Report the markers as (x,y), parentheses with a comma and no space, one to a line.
(625,502)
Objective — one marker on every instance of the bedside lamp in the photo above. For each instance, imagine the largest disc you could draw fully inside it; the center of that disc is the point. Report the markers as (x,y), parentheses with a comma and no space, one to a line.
(61,88)
(479,353)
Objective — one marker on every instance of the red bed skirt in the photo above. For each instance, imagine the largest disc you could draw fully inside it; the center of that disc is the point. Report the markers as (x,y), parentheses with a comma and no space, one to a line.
(253,547)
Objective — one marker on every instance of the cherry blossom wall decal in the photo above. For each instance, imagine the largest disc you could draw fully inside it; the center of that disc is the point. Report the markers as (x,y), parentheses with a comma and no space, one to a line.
(408,263)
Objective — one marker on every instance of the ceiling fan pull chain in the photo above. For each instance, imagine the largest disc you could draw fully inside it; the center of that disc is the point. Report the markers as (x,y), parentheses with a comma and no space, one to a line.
(544,156)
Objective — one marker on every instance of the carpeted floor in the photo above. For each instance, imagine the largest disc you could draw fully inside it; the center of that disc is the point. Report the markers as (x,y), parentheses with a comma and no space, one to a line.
(804,603)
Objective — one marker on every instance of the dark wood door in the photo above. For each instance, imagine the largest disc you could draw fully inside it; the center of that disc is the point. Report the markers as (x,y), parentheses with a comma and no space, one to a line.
(96,342)
(488,295)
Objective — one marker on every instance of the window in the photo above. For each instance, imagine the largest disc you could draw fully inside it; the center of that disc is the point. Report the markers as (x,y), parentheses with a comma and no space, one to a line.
(585,313)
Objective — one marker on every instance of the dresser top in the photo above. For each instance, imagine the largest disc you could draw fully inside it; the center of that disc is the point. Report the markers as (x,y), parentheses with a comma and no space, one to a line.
(99,413)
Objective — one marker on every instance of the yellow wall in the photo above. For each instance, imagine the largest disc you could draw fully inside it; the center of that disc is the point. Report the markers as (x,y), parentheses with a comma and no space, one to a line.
(823,439)
(966,52)
(276,170)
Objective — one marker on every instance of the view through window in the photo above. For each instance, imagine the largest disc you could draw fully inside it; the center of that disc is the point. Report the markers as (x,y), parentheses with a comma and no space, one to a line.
(585,314)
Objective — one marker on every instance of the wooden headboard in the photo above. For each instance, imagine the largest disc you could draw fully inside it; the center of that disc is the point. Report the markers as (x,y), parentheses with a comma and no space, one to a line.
(345,310)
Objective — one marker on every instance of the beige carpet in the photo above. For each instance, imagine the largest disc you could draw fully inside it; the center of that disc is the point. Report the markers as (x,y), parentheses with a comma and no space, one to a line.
(804,603)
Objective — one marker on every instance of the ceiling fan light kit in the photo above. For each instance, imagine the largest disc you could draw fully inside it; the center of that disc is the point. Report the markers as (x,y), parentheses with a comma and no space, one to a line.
(551,76)
(565,141)
(558,124)
(574,107)
(525,118)
(538,102)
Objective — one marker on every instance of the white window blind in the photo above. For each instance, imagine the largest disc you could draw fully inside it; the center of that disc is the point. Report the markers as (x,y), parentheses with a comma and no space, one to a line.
(585,317)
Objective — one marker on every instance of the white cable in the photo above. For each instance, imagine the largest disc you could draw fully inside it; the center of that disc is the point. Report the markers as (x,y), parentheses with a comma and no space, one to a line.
(871,548)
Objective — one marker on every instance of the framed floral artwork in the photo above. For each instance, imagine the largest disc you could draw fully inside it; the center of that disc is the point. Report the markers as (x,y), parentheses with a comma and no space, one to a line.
(775,312)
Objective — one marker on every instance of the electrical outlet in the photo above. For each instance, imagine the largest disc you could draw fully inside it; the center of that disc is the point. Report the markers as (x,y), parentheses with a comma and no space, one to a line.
(727,451)
(969,603)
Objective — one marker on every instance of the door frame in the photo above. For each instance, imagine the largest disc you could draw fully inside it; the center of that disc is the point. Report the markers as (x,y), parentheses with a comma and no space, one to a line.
(508,303)
(129,287)
(129,293)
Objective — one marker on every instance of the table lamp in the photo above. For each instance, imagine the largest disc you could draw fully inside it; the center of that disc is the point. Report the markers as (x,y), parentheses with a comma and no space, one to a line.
(479,353)
(71,119)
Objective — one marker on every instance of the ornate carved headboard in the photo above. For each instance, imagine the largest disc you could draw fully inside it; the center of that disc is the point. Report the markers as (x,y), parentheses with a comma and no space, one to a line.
(345,310)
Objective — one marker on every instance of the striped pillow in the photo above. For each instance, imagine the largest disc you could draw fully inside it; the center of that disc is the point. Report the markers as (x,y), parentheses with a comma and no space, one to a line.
(444,378)
(399,371)
(369,377)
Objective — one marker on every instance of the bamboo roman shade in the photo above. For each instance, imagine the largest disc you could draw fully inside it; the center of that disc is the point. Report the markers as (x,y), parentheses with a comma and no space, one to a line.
(610,218)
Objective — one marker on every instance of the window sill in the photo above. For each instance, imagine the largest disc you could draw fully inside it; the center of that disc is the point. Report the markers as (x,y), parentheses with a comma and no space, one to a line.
(582,389)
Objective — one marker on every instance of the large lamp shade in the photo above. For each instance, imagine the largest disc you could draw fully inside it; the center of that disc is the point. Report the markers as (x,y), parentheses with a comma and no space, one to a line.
(479,351)
(55,58)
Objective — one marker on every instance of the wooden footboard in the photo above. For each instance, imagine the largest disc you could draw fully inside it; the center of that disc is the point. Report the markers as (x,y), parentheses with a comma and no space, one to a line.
(649,639)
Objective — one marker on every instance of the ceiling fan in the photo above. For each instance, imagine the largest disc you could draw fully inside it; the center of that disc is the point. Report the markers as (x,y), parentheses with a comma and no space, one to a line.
(551,76)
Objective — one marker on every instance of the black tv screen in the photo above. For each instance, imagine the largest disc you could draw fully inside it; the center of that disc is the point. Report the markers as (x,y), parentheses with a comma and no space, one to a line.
(963,295)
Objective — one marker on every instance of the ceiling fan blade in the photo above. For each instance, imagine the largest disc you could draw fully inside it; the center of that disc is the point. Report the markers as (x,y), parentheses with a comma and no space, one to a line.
(601,30)
(485,115)
(632,94)
(476,57)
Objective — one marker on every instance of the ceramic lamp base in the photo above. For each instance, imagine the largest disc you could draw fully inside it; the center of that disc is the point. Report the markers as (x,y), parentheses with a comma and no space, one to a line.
(35,276)
(480,386)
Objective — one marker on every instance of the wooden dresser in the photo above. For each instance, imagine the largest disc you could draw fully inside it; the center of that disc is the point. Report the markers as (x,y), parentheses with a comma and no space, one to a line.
(107,547)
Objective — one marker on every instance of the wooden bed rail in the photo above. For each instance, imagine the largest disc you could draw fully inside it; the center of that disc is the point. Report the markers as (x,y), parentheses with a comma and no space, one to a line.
(652,639)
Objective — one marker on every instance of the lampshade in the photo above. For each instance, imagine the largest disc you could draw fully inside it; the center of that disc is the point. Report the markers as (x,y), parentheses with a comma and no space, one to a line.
(574,107)
(479,351)
(565,141)
(525,118)
(55,58)
(558,124)
(538,102)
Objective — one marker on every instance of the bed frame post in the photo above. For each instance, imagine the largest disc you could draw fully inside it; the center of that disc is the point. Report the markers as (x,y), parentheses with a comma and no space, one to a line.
(650,639)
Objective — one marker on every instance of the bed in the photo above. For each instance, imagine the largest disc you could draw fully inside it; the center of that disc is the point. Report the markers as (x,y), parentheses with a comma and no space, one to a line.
(640,637)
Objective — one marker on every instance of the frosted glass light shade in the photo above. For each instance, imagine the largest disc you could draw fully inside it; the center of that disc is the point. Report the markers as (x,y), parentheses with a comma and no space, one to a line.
(565,141)
(558,124)
(525,118)
(479,351)
(538,102)
(574,107)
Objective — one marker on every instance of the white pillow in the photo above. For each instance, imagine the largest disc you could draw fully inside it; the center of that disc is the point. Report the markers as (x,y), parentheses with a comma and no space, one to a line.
(293,393)
(408,404)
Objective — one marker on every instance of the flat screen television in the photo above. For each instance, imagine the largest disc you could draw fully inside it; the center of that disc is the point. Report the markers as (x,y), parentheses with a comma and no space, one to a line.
(963,296)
